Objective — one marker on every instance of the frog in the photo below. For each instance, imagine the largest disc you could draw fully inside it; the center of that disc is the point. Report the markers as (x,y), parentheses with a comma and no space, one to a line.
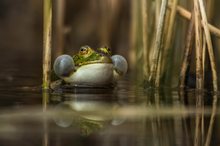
(90,67)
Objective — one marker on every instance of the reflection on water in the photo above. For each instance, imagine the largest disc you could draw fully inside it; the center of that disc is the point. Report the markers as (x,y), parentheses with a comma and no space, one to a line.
(125,115)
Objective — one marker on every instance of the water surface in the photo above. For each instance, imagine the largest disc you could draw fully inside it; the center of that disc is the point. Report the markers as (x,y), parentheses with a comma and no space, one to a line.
(125,115)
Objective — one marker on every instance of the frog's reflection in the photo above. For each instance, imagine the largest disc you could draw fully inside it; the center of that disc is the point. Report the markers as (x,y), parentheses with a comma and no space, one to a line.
(84,111)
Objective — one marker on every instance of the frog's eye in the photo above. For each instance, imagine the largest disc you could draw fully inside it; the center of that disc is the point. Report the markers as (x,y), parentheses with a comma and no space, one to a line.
(84,49)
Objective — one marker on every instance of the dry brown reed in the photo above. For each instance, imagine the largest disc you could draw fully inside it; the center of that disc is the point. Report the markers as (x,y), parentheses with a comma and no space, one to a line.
(202,39)
(198,39)
(168,36)
(157,46)
(145,27)
(203,54)
(186,14)
(209,44)
(187,51)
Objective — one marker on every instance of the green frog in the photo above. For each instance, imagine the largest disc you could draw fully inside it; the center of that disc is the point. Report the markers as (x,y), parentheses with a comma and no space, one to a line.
(90,67)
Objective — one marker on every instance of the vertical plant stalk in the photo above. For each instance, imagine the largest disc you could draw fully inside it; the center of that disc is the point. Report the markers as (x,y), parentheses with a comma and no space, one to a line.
(209,44)
(157,44)
(157,11)
(47,43)
(145,37)
(157,81)
(133,33)
(171,24)
(60,7)
(187,52)
(203,54)
(210,9)
(169,35)
(199,71)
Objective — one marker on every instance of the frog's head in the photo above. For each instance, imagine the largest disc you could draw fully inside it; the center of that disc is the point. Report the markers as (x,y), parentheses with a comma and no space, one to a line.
(87,55)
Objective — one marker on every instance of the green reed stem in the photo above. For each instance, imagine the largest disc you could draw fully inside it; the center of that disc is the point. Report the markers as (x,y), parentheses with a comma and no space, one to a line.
(47,27)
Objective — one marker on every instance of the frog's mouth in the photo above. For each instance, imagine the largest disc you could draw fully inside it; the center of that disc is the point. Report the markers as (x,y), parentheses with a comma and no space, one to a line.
(95,74)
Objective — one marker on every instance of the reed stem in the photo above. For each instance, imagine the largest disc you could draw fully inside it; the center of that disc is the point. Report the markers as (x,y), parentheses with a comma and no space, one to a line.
(188,51)
(210,9)
(186,14)
(145,37)
(133,33)
(47,43)
(60,16)
(203,54)
(157,11)
(170,26)
(198,33)
(157,81)
(157,44)
(209,44)
(169,34)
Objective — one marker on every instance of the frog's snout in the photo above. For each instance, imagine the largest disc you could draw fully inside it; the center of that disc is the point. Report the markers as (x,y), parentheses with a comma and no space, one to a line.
(63,66)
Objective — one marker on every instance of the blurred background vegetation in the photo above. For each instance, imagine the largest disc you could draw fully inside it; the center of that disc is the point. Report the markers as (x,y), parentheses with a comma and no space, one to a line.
(95,23)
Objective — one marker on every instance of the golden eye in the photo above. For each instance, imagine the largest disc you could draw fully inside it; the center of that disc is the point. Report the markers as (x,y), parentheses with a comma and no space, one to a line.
(84,50)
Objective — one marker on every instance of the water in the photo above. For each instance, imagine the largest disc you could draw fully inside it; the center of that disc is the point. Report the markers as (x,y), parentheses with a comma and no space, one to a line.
(127,115)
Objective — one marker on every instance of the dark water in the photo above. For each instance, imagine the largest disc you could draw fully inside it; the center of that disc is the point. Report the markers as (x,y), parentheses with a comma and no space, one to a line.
(126,115)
